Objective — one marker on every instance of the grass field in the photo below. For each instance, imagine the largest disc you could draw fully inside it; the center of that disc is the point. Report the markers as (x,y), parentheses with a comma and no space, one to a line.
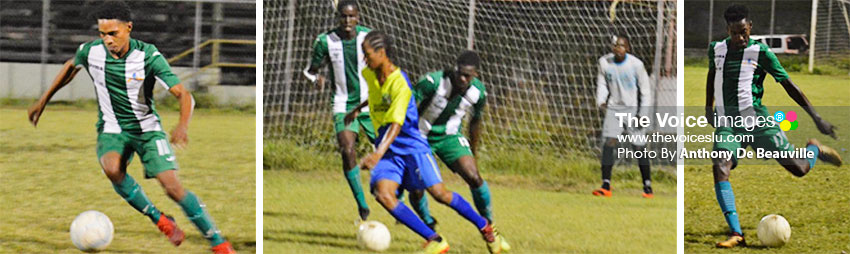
(51,174)
(307,208)
(815,205)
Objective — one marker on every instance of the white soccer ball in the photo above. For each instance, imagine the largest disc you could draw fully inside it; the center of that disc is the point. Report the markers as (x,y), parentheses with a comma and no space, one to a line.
(373,235)
(91,231)
(774,231)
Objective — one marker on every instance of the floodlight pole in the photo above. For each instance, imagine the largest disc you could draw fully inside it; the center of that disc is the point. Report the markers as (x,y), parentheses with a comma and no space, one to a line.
(470,34)
(196,56)
(813,31)
(710,19)
(45,26)
(772,10)
(287,69)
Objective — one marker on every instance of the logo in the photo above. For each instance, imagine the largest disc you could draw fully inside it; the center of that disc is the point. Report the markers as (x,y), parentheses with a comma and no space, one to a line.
(787,121)
(135,78)
(170,158)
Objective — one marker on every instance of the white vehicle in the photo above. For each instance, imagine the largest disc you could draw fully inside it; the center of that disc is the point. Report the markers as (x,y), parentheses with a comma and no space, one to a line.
(784,43)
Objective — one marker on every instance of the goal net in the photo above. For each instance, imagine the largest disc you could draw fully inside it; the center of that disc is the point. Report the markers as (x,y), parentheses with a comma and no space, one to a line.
(832,34)
(539,62)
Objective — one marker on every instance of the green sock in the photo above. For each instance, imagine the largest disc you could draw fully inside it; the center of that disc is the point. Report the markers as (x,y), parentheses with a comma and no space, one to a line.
(481,197)
(133,194)
(194,209)
(353,178)
(421,209)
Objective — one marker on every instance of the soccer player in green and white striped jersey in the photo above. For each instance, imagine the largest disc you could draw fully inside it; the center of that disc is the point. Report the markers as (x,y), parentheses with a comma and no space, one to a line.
(343,47)
(444,98)
(737,68)
(124,72)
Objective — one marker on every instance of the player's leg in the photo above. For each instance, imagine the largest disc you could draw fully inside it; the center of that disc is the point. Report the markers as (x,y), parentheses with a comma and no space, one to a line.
(160,162)
(194,209)
(114,153)
(429,177)
(774,139)
(607,163)
(454,151)
(420,206)
(347,141)
(645,173)
(722,168)
(386,179)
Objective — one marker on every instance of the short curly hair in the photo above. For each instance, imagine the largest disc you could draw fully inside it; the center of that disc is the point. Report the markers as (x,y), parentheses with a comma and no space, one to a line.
(113,10)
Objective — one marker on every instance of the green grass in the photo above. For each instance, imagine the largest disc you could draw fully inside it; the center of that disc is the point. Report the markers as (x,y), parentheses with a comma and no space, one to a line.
(313,212)
(542,205)
(815,205)
(50,174)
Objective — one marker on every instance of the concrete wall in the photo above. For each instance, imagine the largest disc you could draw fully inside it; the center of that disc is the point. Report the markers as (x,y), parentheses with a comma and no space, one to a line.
(27,81)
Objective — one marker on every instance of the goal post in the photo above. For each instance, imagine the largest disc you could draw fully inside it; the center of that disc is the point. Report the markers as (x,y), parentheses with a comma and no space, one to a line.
(829,42)
(539,62)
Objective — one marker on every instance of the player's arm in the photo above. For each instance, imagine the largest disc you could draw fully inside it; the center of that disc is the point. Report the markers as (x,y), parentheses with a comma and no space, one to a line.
(645,89)
(423,91)
(601,87)
(400,95)
(161,70)
(475,124)
(709,96)
(62,78)
(797,95)
(318,59)
(709,86)
(349,117)
(179,136)
(770,63)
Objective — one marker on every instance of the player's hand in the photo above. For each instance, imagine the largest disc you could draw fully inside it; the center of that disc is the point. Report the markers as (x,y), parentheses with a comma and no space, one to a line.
(179,137)
(321,81)
(709,114)
(603,106)
(34,112)
(825,127)
(370,161)
(349,117)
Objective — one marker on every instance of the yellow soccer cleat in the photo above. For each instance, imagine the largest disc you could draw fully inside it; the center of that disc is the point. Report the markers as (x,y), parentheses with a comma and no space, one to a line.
(435,247)
(827,154)
(735,239)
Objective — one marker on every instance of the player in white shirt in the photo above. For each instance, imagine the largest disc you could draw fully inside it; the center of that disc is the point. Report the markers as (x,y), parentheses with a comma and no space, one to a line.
(623,87)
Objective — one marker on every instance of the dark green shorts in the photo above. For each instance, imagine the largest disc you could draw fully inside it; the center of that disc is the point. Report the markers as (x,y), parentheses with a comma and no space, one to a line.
(767,138)
(153,147)
(362,120)
(450,147)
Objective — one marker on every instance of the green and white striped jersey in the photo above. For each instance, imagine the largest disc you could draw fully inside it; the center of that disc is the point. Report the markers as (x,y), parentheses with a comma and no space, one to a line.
(739,75)
(440,115)
(346,60)
(124,86)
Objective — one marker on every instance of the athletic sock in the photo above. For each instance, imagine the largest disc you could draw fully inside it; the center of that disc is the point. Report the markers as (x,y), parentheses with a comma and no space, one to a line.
(409,219)
(353,178)
(812,160)
(726,199)
(197,213)
(421,208)
(464,209)
(133,194)
(481,198)
(607,165)
(645,174)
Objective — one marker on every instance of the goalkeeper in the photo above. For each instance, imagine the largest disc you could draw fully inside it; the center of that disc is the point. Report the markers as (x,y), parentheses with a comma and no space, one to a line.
(622,87)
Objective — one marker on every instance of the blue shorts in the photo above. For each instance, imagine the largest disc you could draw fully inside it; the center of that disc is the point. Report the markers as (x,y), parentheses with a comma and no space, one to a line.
(411,171)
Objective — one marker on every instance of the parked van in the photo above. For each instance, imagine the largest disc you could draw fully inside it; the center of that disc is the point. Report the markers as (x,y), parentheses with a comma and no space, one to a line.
(784,43)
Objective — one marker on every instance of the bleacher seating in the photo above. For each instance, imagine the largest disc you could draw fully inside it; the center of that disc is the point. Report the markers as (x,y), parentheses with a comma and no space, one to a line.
(167,24)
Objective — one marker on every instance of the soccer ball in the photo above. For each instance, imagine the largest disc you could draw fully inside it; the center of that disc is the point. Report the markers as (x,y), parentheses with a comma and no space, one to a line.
(373,235)
(774,231)
(91,231)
